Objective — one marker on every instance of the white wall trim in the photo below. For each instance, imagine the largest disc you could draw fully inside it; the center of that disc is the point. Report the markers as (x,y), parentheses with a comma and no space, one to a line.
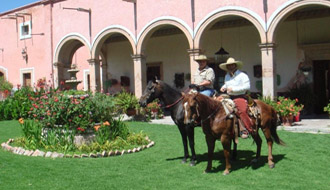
(6,72)
(184,24)
(85,41)
(231,8)
(21,37)
(114,27)
(27,70)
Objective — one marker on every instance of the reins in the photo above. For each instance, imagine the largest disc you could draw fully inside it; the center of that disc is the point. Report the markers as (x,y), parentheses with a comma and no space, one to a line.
(178,100)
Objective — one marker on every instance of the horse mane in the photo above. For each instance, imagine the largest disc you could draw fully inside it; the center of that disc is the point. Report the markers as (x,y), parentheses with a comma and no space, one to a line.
(168,89)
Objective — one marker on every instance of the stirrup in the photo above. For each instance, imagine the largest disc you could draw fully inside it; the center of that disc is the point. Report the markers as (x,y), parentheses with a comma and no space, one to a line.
(244,134)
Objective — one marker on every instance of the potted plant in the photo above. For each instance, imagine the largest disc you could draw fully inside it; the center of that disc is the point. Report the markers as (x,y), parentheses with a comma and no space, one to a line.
(153,110)
(287,109)
(127,102)
(327,109)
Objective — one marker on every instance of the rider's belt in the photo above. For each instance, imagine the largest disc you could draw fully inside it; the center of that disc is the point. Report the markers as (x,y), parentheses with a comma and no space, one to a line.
(238,96)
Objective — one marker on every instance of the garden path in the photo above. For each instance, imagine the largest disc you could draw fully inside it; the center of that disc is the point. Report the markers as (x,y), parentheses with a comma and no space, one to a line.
(321,126)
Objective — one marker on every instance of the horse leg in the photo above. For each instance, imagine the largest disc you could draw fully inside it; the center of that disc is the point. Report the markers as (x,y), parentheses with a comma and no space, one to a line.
(184,141)
(191,138)
(234,152)
(226,144)
(258,140)
(269,139)
(210,149)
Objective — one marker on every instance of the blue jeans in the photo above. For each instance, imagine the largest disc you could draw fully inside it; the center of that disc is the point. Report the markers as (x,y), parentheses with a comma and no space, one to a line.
(207,92)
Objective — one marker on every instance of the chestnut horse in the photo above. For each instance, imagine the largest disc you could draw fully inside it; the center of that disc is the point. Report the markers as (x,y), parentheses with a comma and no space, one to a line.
(173,102)
(217,126)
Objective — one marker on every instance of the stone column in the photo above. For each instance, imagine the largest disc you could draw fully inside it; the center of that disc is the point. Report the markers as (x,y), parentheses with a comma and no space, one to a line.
(94,74)
(140,74)
(58,70)
(268,69)
(193,64)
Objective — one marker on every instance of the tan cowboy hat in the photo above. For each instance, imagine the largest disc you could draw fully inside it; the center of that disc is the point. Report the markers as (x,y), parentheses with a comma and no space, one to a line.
(201,58)
(231,60)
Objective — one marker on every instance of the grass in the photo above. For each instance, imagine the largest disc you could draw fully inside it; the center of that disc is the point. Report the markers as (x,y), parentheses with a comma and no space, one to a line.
(302,164)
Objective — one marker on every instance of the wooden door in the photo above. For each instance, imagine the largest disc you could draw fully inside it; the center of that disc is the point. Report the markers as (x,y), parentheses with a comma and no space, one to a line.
(321,83)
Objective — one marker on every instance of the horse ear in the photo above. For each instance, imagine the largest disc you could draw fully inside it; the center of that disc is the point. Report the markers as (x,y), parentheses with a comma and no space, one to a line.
(154,79)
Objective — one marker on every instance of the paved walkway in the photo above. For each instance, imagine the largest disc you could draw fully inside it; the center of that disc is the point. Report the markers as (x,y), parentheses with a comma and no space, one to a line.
(321,126)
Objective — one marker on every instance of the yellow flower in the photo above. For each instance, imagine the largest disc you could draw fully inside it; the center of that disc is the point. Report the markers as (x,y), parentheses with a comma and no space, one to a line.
(106,123)
(96,127)
(21,120)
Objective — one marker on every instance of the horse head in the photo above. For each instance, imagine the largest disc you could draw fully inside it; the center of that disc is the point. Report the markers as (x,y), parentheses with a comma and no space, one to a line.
(152,91)
(190,107)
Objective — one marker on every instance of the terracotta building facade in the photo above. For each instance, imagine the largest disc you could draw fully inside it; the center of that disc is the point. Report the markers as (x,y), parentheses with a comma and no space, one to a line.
(282,43)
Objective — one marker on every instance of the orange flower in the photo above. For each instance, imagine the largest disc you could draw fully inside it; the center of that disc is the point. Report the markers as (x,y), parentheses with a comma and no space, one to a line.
(21,120)
(106,123)
(96,127)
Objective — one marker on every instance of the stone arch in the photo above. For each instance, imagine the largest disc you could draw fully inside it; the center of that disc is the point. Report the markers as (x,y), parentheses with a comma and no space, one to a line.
(3,72)
(105,33)
(72,42)
(64,52)
(159,22)
(284,11)
(230,11)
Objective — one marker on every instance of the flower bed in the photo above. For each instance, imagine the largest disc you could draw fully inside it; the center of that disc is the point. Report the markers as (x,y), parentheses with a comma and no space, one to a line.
(21,151)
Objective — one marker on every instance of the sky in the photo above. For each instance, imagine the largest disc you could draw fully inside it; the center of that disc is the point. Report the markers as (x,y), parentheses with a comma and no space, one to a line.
(6,5)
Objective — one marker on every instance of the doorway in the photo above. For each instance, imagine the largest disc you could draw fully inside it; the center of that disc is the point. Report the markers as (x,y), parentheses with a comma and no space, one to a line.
(154,70)
(321,78)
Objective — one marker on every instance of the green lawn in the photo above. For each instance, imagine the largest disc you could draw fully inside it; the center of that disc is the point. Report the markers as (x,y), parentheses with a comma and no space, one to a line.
(302,164)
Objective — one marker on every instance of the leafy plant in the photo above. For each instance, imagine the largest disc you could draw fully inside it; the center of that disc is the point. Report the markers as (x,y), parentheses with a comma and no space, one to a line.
(327,108)
(5,86)
(287,106)
(153,110)
(126,100)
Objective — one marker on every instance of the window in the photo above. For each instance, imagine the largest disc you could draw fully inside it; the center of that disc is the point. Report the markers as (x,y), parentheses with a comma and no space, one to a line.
(25,30)
(27,77)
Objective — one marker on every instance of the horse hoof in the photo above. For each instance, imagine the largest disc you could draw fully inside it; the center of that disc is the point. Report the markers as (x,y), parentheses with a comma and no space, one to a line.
(271,166)
(206,171)
(225,173)
(183,161)
(193,163)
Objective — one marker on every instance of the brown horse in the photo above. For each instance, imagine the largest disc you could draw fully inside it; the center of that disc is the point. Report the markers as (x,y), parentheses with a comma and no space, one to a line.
(217,125)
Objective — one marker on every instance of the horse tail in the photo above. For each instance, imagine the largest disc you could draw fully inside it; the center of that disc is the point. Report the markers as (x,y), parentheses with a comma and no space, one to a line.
(273,128)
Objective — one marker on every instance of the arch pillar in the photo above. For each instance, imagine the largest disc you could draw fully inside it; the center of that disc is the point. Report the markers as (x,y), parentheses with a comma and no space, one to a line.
(58,70)
(140,73)
(193,64)
(94,74)
(268,69)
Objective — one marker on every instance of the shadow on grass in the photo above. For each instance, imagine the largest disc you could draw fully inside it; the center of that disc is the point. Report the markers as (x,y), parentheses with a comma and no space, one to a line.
(243,160)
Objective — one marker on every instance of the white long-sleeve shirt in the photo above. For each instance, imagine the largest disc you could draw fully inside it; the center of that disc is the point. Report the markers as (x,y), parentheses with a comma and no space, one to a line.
(239,82)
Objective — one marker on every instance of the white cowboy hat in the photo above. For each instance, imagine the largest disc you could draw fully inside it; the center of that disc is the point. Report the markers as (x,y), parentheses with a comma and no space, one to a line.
(201,58)
(231,60)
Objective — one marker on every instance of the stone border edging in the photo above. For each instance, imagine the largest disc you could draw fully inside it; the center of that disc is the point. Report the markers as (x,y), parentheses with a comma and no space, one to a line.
(22,151)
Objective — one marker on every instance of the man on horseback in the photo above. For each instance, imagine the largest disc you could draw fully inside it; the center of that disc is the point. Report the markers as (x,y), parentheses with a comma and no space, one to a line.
(237,83)
(204,77)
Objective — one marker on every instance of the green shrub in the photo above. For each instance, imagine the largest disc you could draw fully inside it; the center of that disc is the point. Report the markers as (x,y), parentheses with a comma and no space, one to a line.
(126,100)
(5,86)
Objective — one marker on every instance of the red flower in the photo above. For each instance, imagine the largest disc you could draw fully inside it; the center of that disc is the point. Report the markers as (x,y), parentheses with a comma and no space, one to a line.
(81,129)
(82,97)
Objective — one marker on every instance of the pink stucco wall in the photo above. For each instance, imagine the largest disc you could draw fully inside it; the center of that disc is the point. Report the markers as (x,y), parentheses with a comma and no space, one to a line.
(57,23)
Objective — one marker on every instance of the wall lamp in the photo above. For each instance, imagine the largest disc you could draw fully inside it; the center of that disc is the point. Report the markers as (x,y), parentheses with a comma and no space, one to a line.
(24,54)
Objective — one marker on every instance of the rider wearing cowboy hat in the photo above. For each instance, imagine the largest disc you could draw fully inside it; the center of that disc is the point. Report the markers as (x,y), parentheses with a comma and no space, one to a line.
(237,83)
(204,77)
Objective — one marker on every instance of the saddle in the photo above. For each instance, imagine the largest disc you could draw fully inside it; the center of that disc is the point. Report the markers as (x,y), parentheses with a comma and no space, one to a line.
(231,111)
